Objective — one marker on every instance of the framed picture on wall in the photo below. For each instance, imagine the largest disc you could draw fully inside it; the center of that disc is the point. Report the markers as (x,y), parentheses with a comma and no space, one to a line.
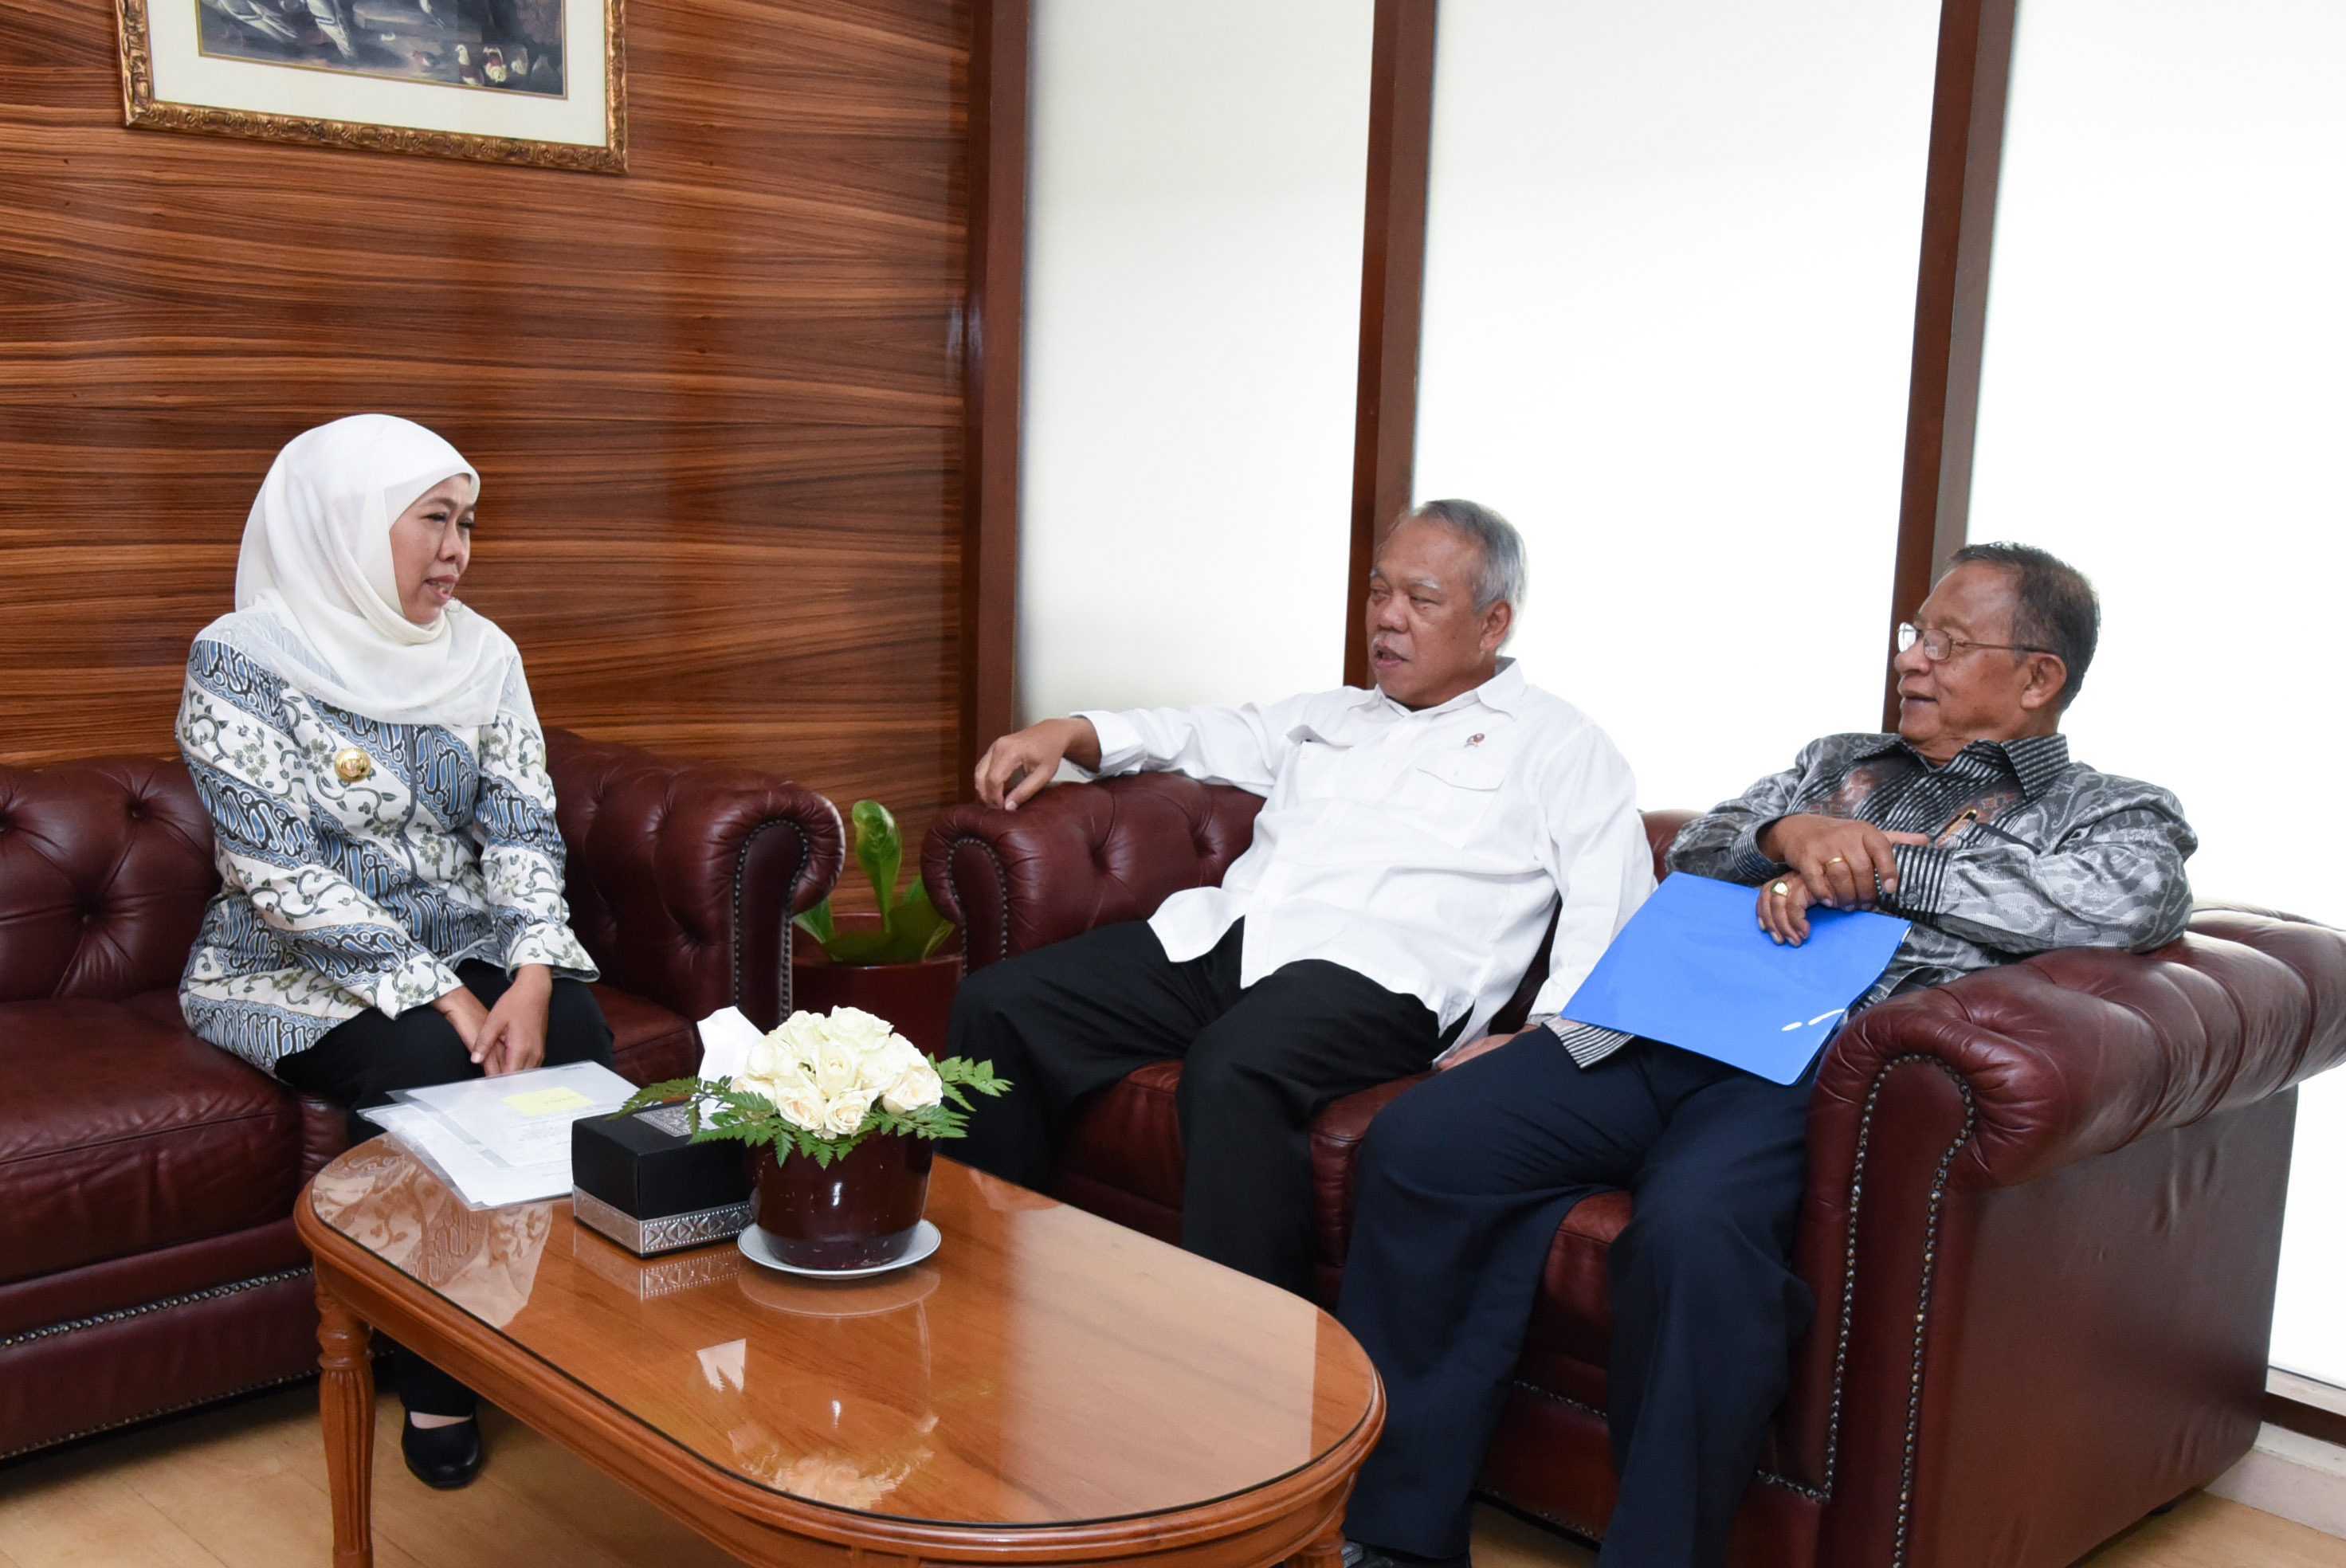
(506,81)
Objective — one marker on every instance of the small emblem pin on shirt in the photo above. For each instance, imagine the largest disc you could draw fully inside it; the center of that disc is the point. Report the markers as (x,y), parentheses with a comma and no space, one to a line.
(1473,740)
(350,765)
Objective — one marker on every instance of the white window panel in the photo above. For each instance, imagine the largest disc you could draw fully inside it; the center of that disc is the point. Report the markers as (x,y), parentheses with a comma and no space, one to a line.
(2161,405)
(1669,323)
(1192,328)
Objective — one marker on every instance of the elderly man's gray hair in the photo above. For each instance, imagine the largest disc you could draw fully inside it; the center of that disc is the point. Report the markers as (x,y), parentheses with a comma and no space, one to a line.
(1502,546)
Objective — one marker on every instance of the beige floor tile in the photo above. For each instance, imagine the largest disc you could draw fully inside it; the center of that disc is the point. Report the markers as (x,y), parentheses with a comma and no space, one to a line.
(2210,1532)
(245,1487)
(552,1480)
(1503,1541)
(80,1515)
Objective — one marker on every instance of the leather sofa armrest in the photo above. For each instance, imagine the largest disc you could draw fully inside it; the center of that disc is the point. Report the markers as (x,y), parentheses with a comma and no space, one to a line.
(1079,856)
(1933,1103)
(683,876)
(325,1133)
(2077,1053)
(1336,1135)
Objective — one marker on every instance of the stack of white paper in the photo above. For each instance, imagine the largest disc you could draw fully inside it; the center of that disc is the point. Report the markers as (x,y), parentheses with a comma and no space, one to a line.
(502,1140)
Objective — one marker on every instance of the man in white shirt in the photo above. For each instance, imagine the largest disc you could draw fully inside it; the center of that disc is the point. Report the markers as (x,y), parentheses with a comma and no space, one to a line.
(1414,842)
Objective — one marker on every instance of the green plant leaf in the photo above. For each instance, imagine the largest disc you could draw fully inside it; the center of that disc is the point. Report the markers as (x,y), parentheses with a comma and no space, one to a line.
(916,926)
(858,947)
(880,851)
(817,923)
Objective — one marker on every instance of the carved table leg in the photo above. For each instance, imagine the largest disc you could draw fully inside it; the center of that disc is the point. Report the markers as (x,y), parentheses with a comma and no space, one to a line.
(346,1412)
(1326,1550)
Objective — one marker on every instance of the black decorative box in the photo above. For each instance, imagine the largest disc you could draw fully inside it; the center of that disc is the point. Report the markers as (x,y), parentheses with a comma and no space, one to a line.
(644,1183)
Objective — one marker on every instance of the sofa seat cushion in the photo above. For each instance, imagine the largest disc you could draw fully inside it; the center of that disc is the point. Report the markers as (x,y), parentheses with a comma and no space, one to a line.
(125,1133)
(1127,1137)
(1571,1331)
(649,1043)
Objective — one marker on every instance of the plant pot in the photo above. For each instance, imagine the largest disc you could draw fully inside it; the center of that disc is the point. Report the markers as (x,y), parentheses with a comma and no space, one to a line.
(858,1212)
(917,999)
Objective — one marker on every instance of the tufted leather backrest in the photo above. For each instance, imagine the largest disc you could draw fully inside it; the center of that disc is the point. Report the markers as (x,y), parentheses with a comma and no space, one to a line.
(105,867)
(682,876)
(2075,1053)
(1081,855)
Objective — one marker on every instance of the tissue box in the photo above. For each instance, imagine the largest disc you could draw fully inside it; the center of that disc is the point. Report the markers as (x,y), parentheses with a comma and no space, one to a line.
(644,1183)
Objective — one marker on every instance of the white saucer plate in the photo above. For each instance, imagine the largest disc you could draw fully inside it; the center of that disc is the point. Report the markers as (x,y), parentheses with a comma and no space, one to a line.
(926,1239)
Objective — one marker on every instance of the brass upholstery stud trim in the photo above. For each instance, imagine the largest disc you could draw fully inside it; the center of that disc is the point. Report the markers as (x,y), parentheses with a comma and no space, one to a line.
(790,900)
(121,1313)
(1000,893)
(62,1438)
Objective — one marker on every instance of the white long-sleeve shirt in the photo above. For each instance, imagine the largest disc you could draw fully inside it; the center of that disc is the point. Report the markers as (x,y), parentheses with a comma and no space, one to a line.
(1423,850)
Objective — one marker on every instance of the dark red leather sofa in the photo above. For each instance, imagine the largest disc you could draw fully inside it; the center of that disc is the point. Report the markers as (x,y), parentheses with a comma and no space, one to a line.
(147,1260)
(2043,1221)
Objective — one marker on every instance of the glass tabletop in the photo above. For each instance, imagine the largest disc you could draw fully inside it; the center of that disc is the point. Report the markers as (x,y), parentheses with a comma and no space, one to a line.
(1046,1367)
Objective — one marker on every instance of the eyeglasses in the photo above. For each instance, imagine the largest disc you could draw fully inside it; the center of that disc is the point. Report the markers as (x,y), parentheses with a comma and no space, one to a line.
(1938,646)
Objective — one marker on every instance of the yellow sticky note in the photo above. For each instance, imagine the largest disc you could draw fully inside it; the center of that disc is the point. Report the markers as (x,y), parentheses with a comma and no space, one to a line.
(546,1102)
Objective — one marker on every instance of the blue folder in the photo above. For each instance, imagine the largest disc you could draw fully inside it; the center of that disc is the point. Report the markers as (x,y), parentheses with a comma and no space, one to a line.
(1693,969)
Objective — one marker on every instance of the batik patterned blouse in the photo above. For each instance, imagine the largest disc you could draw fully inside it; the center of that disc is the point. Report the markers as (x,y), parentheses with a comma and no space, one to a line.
(339,895)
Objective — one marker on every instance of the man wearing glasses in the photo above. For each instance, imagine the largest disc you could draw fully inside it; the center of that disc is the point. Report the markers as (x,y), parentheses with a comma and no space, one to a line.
(1973,823)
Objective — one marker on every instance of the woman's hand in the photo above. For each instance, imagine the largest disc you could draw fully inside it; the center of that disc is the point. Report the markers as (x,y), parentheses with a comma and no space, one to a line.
(465,1013)
(513,1037)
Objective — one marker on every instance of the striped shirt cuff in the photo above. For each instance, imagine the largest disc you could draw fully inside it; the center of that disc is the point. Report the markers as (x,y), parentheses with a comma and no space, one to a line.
(1922,877)
(1587,1043)
(1747,864)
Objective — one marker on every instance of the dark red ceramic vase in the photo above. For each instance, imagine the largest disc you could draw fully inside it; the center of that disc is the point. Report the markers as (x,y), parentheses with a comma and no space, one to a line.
(859,1212)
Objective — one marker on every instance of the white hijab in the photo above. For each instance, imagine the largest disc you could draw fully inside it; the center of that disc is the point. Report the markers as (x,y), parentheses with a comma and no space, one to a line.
(317,600)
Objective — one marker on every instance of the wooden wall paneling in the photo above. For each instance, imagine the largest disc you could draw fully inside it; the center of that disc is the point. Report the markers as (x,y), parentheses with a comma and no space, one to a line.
(717,401)
(1393,292)
(1966,157)
(992,340)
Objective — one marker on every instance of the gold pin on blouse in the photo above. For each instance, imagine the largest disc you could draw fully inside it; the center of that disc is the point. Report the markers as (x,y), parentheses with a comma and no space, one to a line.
(350,765)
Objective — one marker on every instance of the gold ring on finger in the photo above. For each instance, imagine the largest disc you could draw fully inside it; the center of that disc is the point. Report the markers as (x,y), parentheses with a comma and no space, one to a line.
(1834,861)
(1779,890)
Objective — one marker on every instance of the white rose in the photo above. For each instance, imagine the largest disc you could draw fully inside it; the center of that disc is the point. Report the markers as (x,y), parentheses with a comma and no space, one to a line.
(886,1063)
(837,1066)
(765,1056)
(846,1112)
(798,1104)
(799,1037)
(863,1031)
(917,1088)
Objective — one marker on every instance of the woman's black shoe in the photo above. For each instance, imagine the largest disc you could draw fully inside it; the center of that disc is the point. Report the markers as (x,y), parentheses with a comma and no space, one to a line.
(443,1456)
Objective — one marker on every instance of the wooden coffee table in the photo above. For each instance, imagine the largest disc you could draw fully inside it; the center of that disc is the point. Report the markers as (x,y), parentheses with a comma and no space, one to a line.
(1048,1388)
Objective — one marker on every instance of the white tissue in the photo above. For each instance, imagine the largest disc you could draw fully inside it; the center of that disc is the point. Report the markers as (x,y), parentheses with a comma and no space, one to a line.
(725,1040)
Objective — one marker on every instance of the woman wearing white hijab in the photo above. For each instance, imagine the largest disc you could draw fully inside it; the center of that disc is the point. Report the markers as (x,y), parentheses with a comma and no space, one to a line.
(391,911)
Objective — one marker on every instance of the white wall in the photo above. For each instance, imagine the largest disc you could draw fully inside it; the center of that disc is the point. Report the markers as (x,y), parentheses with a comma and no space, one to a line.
(1668,321)
(2161,405)
(1192,328)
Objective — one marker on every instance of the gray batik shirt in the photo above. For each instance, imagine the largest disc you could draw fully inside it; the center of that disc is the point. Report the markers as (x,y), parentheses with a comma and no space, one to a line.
(2029,851)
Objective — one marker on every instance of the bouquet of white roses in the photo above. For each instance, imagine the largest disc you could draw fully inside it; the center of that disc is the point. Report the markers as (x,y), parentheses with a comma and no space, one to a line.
(822,1084)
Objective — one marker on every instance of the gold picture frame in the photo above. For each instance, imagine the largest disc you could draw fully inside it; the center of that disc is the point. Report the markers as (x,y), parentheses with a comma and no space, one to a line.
(258,69)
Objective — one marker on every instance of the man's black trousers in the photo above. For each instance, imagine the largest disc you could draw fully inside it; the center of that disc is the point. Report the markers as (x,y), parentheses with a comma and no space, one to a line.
(1462,1183)
(1257,1064)
(359,1062)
